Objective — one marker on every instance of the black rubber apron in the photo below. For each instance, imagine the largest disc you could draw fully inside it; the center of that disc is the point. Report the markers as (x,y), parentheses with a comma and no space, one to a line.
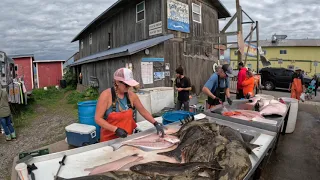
(219,92)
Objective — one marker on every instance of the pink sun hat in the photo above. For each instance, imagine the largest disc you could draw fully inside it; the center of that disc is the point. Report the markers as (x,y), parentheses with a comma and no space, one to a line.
(125,75)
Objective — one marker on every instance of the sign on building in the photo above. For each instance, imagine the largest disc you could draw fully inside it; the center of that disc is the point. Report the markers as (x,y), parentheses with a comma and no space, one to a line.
(280,61)
(315,63)
(155,28)
(252,50)
(178,16)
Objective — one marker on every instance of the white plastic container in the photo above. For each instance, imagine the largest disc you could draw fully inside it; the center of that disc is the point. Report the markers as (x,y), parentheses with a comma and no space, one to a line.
(22,171)
(145,101)
(293,113)
(160,97)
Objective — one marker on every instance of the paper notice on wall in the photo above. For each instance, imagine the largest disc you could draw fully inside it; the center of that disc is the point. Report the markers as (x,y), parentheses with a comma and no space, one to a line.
(147,72)
(158,76)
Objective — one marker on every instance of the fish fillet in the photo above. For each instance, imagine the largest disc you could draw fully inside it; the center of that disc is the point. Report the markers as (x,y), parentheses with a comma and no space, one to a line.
(150,142)
(274,108)
(115,165)
(250,116)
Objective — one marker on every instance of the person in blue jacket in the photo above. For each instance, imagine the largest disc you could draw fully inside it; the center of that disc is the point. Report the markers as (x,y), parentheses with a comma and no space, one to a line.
(217,87)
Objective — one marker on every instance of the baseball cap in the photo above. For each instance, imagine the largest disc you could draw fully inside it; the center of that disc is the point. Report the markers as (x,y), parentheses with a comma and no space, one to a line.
(228,70)
(125,75)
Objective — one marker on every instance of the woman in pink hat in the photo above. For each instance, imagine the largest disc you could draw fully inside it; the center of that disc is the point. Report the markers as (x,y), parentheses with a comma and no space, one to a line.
(114,111)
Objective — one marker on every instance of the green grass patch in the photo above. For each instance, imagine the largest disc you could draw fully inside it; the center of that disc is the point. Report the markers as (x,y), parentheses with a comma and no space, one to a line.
(75,97)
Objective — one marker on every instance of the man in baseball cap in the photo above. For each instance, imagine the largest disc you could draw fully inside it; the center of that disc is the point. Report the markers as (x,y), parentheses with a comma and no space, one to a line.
(116,104)
(217,87)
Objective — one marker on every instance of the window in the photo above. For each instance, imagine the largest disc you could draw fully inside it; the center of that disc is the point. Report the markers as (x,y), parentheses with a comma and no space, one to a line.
(90,38)
(140,11)
(81,44)
(283,51)
(264,52)
(109,40)
(196,13)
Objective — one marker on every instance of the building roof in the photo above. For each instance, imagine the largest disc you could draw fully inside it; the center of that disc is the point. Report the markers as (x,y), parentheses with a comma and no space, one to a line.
(287,43)
(21,55)
(123,50)
(118,6)
(44,61)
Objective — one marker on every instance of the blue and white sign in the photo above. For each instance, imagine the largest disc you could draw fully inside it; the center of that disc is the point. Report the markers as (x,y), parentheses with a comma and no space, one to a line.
(152,59)
(178,16)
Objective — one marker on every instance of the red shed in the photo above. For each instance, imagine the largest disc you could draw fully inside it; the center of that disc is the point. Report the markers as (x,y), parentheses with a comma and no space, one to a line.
(25,69)
(49,72)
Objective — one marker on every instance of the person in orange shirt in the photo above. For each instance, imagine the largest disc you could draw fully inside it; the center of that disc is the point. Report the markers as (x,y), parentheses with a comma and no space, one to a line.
(248,85)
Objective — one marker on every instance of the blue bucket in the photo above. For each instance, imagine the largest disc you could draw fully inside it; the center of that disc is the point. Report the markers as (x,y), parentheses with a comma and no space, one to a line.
(86,113)
(174,116)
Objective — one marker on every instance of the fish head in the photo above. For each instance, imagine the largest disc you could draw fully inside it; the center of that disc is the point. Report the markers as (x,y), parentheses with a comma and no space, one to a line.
(137,168)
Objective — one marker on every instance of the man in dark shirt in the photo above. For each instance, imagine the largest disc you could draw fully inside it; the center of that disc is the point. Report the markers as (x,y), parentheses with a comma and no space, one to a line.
(183,86)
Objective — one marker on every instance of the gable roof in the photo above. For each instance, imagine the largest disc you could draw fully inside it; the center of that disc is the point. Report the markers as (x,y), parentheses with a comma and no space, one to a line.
(44,61)
(123,50)
(21,55)
(287,43)
(118,6)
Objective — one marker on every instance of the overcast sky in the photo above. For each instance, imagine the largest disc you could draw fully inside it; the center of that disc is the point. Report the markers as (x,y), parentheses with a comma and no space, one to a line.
(45,27)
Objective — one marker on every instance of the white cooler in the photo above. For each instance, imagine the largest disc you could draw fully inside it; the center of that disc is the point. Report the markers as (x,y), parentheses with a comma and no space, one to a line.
(293,113)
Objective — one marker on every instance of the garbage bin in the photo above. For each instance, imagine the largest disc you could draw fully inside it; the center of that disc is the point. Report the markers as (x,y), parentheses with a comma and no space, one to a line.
(293,113)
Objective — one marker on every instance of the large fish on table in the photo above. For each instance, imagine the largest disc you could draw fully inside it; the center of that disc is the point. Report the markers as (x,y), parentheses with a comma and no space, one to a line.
(115,165)
(150,142)
(234,135)
(127,175)
(205,149)
(192,169)
(235,162)
(190,135)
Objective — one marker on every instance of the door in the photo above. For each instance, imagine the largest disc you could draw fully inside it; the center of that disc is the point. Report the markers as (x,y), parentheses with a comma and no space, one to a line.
(284,78)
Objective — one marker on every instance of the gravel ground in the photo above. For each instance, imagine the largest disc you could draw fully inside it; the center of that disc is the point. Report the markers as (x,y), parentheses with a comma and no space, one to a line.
(46,128)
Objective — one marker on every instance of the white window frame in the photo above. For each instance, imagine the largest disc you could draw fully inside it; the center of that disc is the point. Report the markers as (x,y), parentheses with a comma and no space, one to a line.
(144,11)
(90,38)
(193,4)
(81,44)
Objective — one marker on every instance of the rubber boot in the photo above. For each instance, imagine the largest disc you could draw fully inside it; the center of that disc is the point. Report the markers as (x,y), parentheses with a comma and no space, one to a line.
(13,135)
(8,138)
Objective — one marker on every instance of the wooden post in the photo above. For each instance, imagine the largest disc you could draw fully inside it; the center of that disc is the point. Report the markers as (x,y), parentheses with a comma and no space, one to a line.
(239,25)
(258,54)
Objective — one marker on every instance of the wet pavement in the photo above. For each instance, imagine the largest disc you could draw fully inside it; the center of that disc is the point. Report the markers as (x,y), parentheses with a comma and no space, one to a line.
(298,154)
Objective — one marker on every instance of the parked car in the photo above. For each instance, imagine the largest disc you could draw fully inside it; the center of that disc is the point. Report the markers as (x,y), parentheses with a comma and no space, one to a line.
(280,78)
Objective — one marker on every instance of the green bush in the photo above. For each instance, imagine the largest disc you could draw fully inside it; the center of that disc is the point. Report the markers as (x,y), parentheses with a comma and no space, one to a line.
(49,94)
(71,79)
(76,97)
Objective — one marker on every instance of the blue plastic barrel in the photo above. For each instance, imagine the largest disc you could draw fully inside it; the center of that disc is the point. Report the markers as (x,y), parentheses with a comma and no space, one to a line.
(86,112)
(174,116)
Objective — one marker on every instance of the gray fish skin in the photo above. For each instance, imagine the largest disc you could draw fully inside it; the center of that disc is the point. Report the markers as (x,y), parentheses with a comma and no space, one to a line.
(127,175)
(235,162)
(192,134)
(189,124)
(234,135)
(205,149)
(153,169)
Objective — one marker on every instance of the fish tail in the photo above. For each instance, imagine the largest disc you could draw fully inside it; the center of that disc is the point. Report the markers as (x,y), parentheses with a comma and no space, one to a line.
(249,147)
(173,154)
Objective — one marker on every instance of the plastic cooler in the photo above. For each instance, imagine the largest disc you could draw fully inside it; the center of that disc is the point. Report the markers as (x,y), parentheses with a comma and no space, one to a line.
(174,116)
(81,134)
(293,113)
(86,112)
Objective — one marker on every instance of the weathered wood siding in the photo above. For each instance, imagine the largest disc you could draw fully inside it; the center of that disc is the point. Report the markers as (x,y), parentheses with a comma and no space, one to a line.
(191,50)
(122,27)
(104,70)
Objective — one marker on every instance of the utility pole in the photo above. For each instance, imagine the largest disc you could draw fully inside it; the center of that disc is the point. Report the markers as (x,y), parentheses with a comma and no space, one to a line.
(258,53)
(239,26)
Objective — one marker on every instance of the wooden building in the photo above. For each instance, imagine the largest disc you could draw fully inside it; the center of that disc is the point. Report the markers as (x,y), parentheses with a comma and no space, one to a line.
(24,69)
(153,38)
(49,72)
